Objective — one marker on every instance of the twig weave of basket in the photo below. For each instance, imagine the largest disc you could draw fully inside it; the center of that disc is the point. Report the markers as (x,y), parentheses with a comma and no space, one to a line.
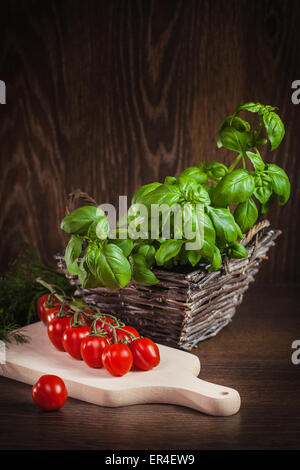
(185,307)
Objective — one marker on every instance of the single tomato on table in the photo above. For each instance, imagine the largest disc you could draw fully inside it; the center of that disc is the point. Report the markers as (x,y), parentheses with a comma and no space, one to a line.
(56,328)
(117,359)
(49,393)
(145,353)
(72,338)
(91,349)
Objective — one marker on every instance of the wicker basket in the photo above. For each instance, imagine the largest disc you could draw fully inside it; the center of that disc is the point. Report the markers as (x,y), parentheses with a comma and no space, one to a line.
(185,307)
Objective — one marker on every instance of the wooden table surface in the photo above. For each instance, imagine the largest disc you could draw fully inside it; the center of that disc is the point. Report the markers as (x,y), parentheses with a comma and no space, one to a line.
(253,355)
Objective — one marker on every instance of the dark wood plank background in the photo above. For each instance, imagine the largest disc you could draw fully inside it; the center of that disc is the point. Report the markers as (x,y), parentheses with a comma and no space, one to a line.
(109,95)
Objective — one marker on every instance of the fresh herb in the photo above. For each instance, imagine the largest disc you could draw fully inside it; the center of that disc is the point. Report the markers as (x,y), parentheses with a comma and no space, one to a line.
(19,292)
(232,199)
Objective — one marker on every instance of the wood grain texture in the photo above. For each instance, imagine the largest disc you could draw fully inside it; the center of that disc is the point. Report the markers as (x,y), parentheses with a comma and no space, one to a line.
(259,367)
(109,95)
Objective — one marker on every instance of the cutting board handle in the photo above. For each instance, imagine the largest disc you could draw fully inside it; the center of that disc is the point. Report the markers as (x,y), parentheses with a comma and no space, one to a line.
(202,396)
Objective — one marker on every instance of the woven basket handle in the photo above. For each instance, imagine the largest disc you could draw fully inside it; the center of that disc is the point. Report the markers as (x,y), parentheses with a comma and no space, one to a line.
(78,198)
(254,230)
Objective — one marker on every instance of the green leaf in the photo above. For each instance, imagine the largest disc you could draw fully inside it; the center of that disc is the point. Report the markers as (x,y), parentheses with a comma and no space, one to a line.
(232,139)
(256,160)
(141,272)
(193,256)
(216,260)
(246,214)
(79,221)
(108,264)
(253,108)
(216,170)
(274,127)
(168,250)
(163,194)
(99,229)
(143,191)
(148,253)
(86,278)
(237,250)
(224,225)
(266,206)
(72,252)
(280,182)
(234,188)
(232,122)
(170,180)
(196,173)
(125,244)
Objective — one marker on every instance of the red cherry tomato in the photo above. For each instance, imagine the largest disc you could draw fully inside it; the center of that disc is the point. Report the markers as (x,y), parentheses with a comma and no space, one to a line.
(145,353)
(49,393)
(72,338)
(56,329)
(117,359)
(40,306)
(91,349)
(104,326)
(123,336)
(50,307)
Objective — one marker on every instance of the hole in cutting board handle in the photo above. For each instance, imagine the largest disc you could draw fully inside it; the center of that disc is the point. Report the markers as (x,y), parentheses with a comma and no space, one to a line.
(224,393)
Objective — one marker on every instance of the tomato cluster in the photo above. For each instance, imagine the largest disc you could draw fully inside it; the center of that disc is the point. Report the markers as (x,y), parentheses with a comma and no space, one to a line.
(101,340)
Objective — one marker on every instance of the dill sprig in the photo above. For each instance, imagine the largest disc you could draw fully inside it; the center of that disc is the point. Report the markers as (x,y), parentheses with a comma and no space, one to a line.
(19,292)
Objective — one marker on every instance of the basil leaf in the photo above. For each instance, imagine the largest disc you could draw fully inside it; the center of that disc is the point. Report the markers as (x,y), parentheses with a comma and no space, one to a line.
(234,122)
(224,225)
(263,192)
(148,253)
(125,244)
(168,250)
(109,265)
(274,127)
(280,182)
(246,214)
(256,160)
(235,140)
(196,173)
(216,260)
(141,272)
(253,108)
(72,252)
(99,229)
(79,221)
(266,206)
(193,256)
(235,187)
(216,170)
(237,250)
(170,180)
(163,194)
(143,191)
(86,278)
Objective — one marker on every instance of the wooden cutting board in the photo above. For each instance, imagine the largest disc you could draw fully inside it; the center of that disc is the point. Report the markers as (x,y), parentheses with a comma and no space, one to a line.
(174,380)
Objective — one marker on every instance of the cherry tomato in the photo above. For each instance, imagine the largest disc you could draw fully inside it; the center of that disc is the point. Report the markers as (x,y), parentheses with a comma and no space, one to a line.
(145,353)
(91,349)
(56,328)
(117,359)
(50,310)
(104,326)
(40,306)
(123,336)
(49,393)
(72,338)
